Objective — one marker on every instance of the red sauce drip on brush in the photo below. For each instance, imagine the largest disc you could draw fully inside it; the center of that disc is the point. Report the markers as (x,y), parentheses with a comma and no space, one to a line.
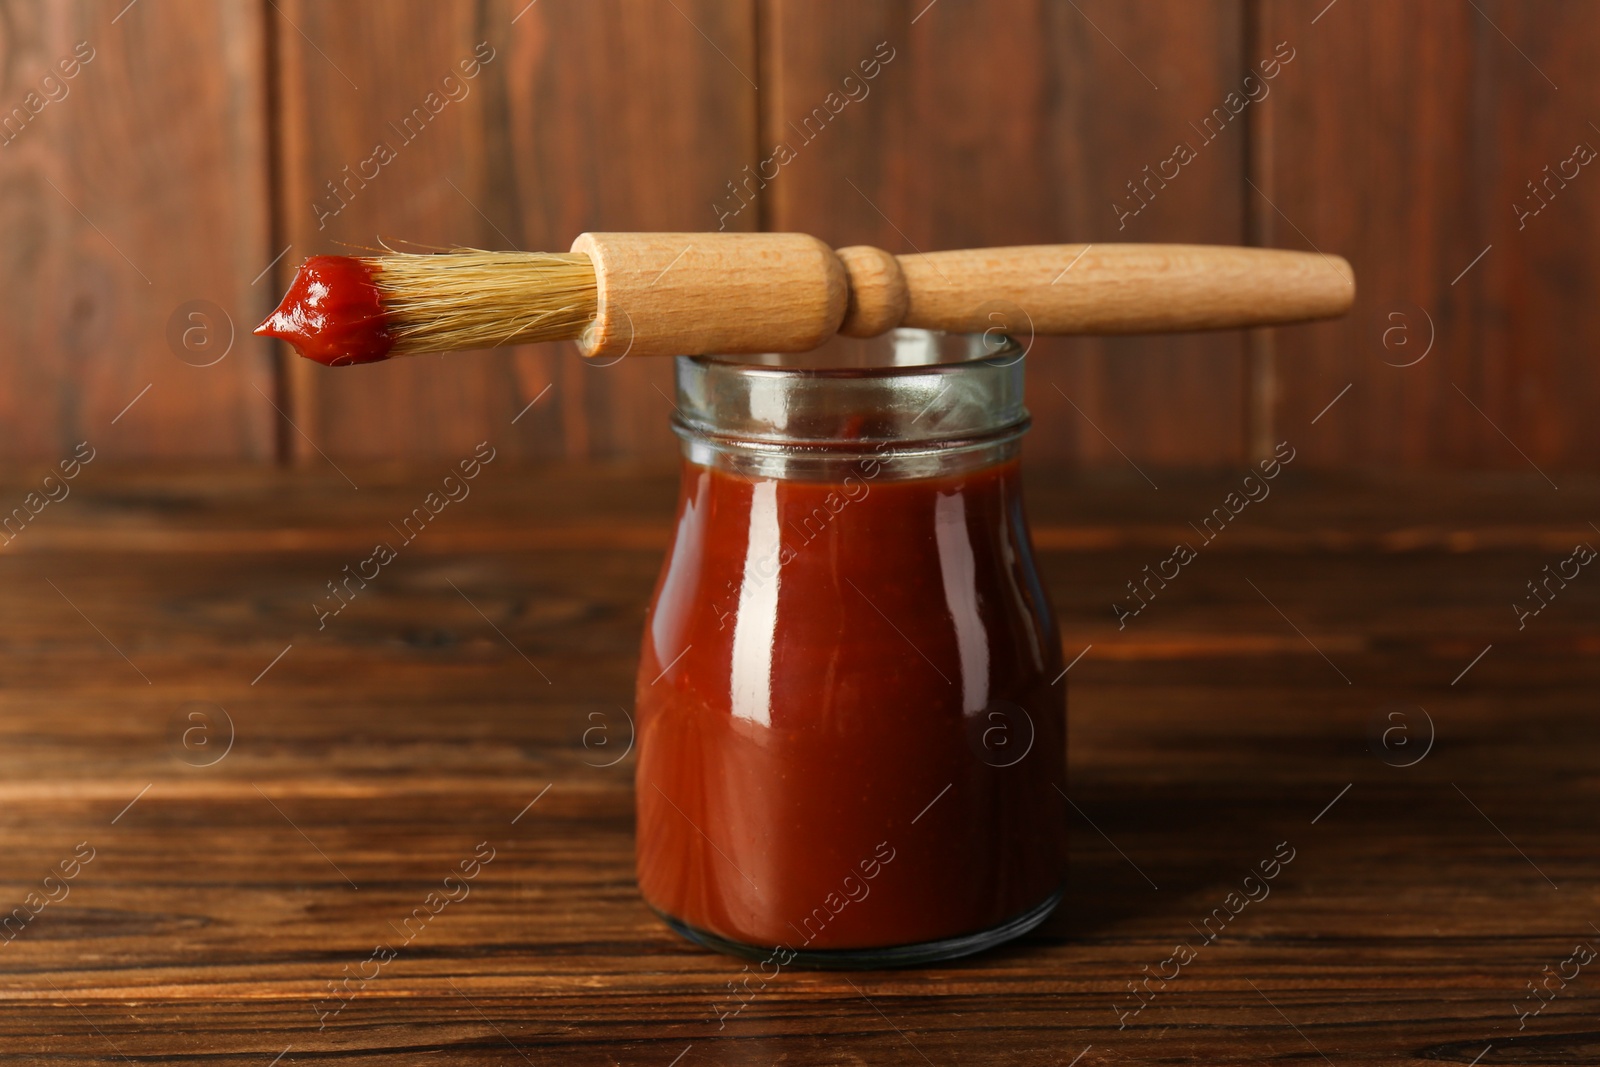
(333,313)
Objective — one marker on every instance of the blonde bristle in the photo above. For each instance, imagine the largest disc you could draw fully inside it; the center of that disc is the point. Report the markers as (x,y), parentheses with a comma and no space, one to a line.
(466,298)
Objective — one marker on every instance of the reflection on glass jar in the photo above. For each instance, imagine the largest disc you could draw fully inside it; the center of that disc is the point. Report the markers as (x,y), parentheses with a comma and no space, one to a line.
(849,739)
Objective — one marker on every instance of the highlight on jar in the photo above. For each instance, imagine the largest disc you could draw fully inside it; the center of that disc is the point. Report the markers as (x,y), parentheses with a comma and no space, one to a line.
(850,702)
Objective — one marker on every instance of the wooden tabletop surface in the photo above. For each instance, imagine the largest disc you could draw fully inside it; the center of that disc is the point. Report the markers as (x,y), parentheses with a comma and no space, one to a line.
(212,812)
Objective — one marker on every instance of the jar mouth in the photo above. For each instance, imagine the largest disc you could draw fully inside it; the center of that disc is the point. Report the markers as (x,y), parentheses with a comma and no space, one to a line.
(890,353)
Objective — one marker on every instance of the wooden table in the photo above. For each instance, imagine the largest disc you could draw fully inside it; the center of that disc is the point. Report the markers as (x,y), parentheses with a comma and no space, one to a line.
(264,802)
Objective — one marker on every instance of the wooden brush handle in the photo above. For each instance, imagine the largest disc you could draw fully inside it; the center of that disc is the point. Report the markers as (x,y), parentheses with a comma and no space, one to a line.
(1122,288)
(674,293)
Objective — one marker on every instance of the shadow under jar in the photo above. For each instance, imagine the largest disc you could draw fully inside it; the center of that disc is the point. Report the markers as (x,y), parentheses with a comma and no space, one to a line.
(849,739)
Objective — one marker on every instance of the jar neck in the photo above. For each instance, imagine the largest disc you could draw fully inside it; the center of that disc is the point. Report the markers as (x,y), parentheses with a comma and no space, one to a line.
(947,413)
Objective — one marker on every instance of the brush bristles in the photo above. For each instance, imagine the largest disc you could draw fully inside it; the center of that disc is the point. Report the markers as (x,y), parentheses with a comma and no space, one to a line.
(446,301)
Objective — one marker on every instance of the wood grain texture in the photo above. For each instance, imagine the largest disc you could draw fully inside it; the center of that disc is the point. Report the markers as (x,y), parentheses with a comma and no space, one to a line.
(590,116)
(129,190)
(229,886)
(1024,127)
(1404,137)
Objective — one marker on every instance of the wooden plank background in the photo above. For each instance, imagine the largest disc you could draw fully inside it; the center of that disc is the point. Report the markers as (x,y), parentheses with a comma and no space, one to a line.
(140,187)
(190,150)
(1403,137)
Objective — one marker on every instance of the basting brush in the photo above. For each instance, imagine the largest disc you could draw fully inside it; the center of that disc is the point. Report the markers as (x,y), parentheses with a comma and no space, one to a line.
(651,294)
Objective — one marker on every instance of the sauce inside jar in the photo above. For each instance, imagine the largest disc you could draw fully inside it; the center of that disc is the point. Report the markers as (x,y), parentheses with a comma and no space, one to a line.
(848,733)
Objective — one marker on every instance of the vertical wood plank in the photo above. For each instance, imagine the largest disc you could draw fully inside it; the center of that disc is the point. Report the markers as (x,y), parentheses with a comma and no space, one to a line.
(128,191)
(1365,152)
(1537,101)
(1404,140)
(1026,126)
(590,115)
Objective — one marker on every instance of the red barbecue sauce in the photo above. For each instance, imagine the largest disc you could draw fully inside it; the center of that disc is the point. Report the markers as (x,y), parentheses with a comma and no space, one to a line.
(822,660)
(332,313)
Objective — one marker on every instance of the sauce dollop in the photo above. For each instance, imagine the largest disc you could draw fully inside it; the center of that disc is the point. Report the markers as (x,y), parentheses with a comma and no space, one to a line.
(332,313)
(848,731)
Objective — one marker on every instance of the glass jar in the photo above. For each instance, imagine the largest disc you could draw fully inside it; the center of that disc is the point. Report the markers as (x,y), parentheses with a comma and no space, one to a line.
(851,715)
